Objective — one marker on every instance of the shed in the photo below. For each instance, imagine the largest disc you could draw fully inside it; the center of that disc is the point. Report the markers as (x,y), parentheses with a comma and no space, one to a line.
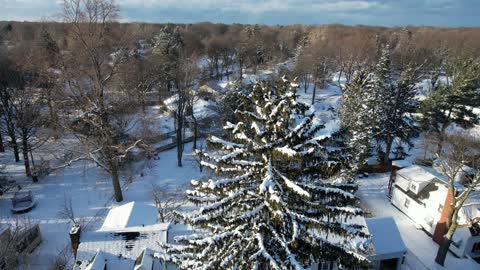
(389,248)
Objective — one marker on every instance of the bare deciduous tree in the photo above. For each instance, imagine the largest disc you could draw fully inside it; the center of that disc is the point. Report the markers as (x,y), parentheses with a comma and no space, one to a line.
(452,157)
(167,201)
(89,69)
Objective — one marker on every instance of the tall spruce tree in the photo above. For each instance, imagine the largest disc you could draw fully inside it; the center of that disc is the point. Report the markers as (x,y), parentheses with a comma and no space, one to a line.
(274,204)
(357,116)
(453,102)
(376,107)
(395,97)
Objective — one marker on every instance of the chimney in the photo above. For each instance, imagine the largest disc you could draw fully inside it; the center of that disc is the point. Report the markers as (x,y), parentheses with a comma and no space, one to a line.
(75,232)
(441,227)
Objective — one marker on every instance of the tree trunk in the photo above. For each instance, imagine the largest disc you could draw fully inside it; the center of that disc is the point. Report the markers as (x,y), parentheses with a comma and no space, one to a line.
(447,240)
(195,130)
(179,147)
(442,251)
(13,143)
(217,70)
(2,147)
(314,92)
(26,160)
(117,189)
(388,149)
(179,139)
(306,82)
(240,63)
(53,117)
(441,139)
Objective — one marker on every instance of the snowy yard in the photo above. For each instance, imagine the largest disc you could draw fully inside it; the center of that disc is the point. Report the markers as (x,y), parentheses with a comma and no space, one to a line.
(421,248)
(91,191)
(91,195)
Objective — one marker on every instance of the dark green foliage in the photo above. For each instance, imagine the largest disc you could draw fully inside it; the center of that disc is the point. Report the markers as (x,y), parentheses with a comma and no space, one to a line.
(453,102)
(274,204)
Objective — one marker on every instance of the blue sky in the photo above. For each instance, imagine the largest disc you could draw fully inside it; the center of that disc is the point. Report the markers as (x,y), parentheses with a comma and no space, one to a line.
(369,12)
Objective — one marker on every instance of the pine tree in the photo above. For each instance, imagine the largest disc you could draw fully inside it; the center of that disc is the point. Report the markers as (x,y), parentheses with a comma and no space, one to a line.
(357,117)
(376,107)
(453,102)
(396,100)
(274,204)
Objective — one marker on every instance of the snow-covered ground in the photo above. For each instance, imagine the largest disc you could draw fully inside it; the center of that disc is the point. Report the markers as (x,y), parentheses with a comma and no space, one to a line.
(91,196)
(91,192)
(421,248)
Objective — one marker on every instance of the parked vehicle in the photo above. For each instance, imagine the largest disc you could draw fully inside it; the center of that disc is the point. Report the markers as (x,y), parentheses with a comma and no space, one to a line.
(22,201)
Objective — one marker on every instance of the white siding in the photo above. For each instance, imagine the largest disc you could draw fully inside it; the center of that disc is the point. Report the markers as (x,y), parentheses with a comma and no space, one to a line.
(411,208)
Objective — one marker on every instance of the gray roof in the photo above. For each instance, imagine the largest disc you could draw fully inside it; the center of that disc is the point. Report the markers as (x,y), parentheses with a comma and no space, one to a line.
(120,247)
(386,238)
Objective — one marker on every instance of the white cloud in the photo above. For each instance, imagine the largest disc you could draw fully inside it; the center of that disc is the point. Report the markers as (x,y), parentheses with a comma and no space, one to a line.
(379,12)
(252,6)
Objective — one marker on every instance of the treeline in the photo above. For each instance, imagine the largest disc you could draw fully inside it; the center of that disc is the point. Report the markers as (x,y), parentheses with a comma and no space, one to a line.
(272,44)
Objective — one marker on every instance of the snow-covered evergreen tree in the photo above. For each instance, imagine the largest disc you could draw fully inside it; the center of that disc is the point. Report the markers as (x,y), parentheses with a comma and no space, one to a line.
(376,106)
(454,101)
(357,116)
(395,98)
(274,204)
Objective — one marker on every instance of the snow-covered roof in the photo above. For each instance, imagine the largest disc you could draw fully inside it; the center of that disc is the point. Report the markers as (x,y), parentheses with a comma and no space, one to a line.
(99,262)
(202,108)
(386,238)
(416,173)
(401,163)
(127,240)
(123,246)
(145,261)
(132,214)
(132,249)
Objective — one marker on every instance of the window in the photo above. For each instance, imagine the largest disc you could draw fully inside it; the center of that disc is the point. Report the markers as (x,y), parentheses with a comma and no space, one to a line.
(476,248)
(440,208)
(407,203)
(325,266)
(413,187)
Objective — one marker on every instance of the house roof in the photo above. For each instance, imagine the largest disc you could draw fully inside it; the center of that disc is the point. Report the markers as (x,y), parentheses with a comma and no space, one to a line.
(127,240)
(129,215)
(417,174)
(126,233)
(401,163)
(386,238)
(119,249)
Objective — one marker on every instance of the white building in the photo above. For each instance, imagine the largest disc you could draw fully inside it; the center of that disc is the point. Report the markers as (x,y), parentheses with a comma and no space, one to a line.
(127,240)
(421,193)
(389,249)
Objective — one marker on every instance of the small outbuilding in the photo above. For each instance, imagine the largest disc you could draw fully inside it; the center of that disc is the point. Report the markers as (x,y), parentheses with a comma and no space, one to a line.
(389,249)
